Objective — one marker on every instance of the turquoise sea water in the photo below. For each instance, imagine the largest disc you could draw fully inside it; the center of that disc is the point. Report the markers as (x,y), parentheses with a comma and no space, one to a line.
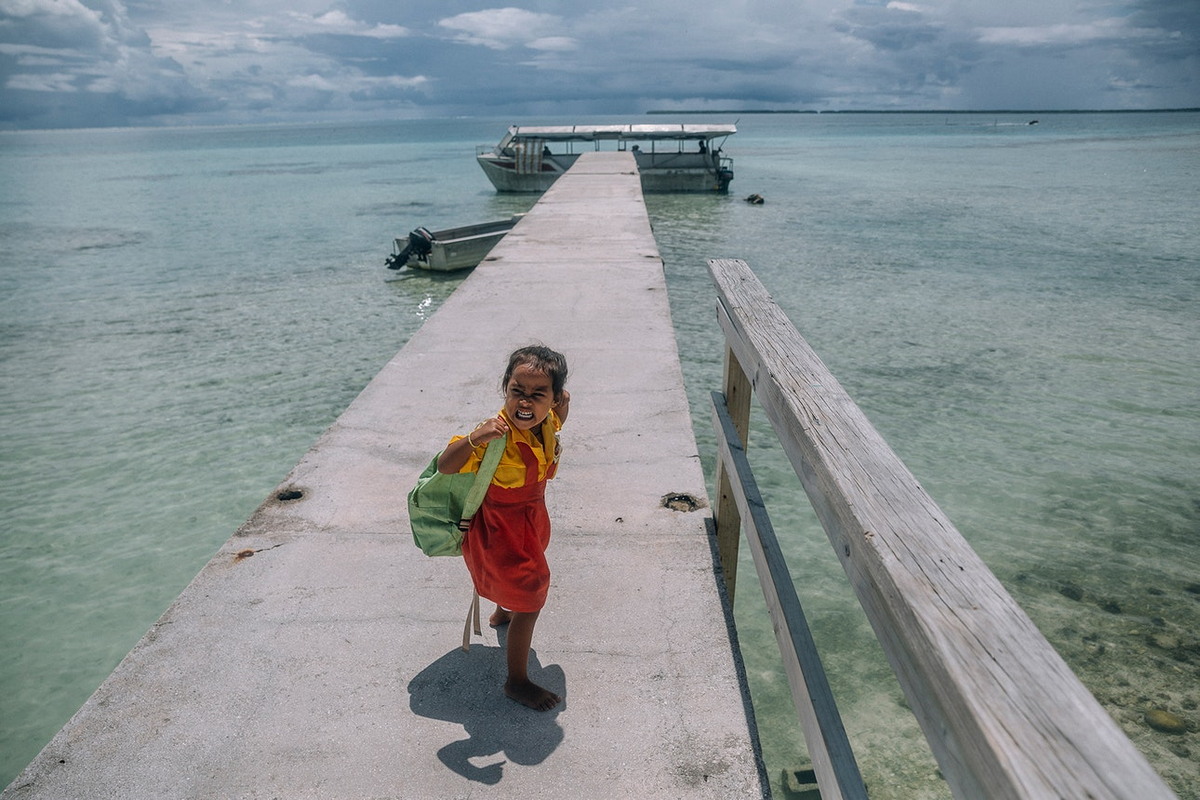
(1015,307)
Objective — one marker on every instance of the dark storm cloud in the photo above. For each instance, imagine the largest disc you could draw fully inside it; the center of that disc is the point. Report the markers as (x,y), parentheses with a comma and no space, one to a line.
(67,63)
(890,28)
(1173,28)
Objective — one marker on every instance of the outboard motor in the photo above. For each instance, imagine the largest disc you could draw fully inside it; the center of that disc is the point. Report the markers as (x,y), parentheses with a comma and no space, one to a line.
(420,245)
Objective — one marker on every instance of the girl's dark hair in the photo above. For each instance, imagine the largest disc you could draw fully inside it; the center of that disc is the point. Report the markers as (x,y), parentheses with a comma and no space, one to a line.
(541,359)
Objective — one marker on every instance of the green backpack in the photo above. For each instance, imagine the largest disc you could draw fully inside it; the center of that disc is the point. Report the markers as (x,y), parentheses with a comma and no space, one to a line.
(440,506)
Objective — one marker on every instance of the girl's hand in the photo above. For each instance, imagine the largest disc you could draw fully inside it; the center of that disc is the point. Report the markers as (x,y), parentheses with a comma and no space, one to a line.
(563,406)
(458,452)
(488,430)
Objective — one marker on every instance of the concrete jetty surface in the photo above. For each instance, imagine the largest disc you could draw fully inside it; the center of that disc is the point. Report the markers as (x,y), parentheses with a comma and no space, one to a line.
(317,655)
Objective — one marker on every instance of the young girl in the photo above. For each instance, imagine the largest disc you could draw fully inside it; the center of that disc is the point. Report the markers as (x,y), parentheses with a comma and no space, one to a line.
(505,547)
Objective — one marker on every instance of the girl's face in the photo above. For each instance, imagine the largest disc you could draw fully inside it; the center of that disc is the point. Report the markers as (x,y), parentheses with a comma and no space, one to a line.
(528,397)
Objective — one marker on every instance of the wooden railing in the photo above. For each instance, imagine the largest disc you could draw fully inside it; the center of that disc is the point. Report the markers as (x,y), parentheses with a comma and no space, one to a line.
(1003,714)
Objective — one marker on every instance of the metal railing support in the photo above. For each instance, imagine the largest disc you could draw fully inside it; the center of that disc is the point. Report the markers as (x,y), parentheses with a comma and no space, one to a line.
(833,760)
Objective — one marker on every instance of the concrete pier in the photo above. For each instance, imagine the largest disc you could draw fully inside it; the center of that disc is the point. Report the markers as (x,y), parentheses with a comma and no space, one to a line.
(317,655)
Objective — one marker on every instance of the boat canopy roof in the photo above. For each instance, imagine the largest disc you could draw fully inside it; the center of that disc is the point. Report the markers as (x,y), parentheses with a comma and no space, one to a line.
(591,133)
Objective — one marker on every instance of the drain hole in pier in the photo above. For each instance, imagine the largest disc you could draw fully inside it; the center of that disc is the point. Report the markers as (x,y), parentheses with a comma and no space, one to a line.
(680,502)
(287,495)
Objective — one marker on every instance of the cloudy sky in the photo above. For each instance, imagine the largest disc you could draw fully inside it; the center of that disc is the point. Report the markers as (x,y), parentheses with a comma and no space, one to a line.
(70,63)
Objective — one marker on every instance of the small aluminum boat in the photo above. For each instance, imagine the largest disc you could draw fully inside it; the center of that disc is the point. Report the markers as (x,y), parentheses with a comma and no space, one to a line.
(450,249)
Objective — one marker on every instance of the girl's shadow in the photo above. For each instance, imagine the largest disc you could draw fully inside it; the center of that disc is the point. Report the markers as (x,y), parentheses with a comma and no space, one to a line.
(468,688)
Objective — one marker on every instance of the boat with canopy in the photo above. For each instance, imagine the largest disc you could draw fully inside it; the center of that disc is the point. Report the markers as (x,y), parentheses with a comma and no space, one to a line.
(673,157)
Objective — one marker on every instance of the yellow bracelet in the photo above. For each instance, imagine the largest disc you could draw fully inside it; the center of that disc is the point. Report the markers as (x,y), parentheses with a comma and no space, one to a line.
(473,445)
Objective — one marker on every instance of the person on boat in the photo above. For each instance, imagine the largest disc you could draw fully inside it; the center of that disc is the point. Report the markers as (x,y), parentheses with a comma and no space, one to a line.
(505,546)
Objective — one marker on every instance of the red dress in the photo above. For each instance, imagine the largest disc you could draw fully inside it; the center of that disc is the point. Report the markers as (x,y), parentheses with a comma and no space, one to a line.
(505,547)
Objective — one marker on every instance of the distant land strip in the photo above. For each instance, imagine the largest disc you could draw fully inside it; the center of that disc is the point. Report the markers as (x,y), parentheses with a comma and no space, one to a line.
(935,111)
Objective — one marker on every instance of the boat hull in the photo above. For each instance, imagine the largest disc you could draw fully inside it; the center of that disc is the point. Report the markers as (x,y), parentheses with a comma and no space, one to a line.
(660,173)
(504,176)
(451,249)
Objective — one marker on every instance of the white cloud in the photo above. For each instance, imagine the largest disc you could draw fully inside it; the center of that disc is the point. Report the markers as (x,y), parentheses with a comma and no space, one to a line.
(1062,34)
(357,83)
(33,55)
(53,23)
(54,8)
(319,82)
(43,82)
(338,22)
(502,28)
(557,44)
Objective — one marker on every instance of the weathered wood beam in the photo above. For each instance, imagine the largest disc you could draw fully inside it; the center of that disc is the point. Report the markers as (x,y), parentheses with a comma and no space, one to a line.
(1003,713)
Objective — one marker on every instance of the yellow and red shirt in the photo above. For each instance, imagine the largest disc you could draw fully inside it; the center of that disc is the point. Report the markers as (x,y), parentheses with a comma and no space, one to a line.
(511,471)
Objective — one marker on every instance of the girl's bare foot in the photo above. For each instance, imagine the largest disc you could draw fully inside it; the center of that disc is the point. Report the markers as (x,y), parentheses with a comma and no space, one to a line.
(528,693)
(500,617)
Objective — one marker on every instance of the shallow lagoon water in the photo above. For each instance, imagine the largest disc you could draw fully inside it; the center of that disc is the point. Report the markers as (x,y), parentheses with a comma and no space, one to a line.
(1014,307)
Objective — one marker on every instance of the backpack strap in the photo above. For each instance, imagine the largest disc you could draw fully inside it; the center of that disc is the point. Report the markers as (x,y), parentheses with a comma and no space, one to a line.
(472,616)
(491,458)
(483,478)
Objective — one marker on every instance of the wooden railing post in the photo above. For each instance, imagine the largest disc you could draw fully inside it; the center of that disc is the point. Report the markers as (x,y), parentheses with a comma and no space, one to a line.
(833,763)
(728,520)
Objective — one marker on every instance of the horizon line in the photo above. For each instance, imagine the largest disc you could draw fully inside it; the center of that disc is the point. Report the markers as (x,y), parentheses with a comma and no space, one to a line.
(930,111)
